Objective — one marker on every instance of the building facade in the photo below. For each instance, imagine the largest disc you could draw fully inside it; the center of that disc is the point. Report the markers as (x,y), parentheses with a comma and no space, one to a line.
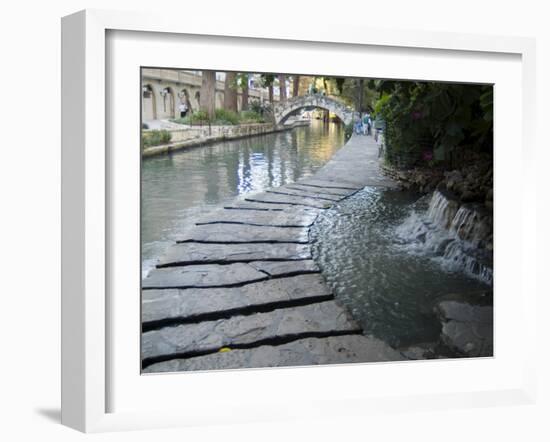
(163,90)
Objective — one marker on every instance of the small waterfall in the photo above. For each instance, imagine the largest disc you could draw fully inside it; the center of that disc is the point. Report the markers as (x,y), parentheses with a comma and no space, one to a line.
(442,209)
(458,236)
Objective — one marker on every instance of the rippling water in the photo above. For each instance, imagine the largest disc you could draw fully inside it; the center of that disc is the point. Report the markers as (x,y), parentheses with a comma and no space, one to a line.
(177,188)
(389,290)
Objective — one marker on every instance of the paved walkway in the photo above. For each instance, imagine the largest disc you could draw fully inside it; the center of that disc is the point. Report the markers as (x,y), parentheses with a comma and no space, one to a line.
(241,289)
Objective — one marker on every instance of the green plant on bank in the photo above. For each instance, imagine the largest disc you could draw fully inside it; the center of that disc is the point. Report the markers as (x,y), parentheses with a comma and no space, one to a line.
(427,122)
(198,117)
(348,131)
(251,116)
(155,138)
(224,117)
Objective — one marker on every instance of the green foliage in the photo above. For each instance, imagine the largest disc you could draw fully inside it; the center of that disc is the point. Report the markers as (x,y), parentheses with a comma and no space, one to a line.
(423,117)
(226,117)
(197,118)
(267,80)
(156,138)
(251,116)
(350,90)
(348,131)
(340,84)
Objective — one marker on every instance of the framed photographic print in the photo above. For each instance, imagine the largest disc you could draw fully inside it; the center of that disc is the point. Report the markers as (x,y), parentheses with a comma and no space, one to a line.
(293,221)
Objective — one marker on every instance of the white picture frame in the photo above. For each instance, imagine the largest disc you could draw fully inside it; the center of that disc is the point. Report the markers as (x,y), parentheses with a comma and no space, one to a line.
(87,353)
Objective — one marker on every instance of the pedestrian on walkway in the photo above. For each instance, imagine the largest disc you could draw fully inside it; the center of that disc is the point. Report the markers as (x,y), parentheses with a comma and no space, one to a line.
(358,126)
(366,124)
(183,109)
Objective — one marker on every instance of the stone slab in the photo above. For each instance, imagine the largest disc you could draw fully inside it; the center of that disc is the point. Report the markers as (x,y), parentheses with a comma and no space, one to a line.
(200,253)
(286,268)
(285,218)
(272,198)
(311,351)
(325,318)
(234,233)
(306,194)
(242,205)
(169,304)
(207,275)
(330,184)
(465,312)
(355,165)
(467,328)
(472,339)
(321,190)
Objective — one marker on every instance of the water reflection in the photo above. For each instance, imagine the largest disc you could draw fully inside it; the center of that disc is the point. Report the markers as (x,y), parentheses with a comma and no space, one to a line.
(179,187)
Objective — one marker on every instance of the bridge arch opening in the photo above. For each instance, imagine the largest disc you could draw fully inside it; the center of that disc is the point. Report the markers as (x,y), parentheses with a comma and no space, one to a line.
(283,110)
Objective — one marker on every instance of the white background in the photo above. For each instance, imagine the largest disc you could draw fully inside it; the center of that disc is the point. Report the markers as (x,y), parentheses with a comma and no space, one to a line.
(30,182)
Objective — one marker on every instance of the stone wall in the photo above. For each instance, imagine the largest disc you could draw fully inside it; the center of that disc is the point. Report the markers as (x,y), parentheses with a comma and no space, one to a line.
(184,138)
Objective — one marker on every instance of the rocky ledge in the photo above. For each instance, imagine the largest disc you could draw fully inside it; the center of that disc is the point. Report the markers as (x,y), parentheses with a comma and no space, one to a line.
(471,183)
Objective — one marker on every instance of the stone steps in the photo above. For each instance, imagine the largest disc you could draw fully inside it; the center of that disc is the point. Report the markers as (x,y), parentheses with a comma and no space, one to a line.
(321,190)
(240,288)
(204,253)
(289,191)
(284,218)
(293,200)
(234,233)
(192,305)
(311,351)
(320,319)
(202,276)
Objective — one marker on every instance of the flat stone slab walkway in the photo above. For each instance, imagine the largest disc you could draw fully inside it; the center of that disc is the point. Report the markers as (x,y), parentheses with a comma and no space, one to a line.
(302,352)
(240,289)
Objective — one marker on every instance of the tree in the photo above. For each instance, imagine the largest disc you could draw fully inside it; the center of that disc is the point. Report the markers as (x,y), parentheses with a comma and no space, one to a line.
(282,87)
(243,79)
(208,94)
(230,92)
(348,89)
(295,85)
(267,81)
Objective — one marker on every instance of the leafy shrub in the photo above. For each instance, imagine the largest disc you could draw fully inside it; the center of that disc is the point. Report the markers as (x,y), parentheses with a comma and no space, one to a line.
(198,117)
(424,117)
(348,131)
(156,138)
(251,116)
(226,117)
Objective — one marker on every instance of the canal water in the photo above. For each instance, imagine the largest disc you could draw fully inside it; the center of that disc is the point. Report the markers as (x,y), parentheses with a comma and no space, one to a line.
(177,188)
(391,280)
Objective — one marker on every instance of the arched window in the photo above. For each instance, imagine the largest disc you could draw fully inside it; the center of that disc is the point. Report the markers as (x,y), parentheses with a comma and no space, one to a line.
(148,106)
(184,98)
(168,102)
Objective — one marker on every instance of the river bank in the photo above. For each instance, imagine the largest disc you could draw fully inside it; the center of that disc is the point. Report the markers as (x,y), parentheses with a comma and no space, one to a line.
(200,136)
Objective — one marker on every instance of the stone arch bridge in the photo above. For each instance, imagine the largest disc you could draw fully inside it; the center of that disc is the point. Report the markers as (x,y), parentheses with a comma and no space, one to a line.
(282,110)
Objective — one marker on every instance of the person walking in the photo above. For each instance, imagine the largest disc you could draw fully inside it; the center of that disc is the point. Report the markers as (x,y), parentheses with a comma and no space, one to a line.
(366,124)
(183,109)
